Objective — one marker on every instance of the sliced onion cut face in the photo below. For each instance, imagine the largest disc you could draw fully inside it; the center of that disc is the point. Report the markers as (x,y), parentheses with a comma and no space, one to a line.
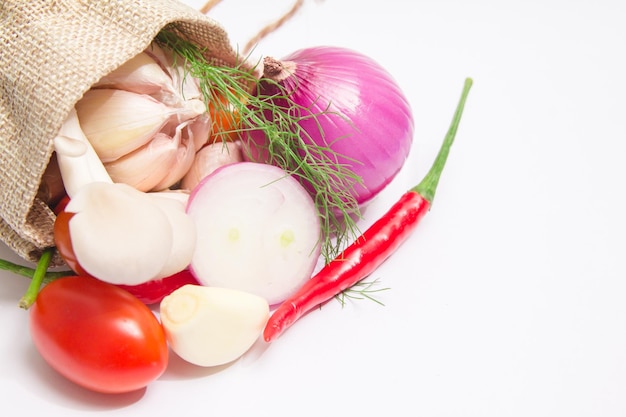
(258,231)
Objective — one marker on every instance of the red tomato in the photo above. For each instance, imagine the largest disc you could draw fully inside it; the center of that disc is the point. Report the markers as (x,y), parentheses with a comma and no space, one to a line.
(63,242)
(98,335)
(225,120)
(60,206)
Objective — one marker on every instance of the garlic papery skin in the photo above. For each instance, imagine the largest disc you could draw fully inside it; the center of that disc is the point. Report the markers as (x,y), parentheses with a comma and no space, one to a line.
(208,159)
(143,75)
(145,167)
(190,137)
(198,130)
(78,162)
(185,86)
(212,326)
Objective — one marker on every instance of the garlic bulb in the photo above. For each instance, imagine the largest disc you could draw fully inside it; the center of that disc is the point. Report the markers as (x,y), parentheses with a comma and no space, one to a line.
(119,234)
(146,120)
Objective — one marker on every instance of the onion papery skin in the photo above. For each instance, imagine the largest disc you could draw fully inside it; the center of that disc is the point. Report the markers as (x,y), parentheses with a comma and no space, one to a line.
(364,116)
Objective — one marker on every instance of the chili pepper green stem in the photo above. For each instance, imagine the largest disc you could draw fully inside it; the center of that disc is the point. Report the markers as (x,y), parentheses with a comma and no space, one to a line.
(30,296)
(427,187)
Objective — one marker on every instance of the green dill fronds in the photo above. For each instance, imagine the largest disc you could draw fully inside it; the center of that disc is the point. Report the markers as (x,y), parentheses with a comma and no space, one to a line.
(360,291)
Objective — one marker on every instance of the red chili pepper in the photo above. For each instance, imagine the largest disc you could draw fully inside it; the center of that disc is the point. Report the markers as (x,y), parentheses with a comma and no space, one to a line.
(373,247)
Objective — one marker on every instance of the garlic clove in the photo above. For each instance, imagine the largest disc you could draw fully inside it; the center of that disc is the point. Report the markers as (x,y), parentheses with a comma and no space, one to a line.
(141,74)
(184,231)
(199,130)
(118,234)
(181,160)
(145,167)
(185,86)
(182,196)
(208,159)
(78,162)
(117,122)
(190,109)
(212,326)
(162,162)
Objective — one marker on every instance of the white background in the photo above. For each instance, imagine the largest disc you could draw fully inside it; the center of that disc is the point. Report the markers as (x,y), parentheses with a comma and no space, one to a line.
(509,299)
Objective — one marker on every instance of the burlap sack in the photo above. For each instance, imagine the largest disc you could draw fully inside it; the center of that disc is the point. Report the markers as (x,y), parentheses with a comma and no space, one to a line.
(52,52)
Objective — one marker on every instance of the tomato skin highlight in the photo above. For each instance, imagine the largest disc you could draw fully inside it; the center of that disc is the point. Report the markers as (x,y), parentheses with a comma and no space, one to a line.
(98,335)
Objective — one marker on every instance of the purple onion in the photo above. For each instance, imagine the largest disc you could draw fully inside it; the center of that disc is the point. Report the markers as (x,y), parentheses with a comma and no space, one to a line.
(361,114)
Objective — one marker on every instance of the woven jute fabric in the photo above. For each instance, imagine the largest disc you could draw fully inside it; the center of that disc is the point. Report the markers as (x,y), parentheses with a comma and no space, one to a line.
(51,53)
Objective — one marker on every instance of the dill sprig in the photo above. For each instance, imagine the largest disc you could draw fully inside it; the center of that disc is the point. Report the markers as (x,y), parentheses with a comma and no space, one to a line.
(236,92)
(359,291)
